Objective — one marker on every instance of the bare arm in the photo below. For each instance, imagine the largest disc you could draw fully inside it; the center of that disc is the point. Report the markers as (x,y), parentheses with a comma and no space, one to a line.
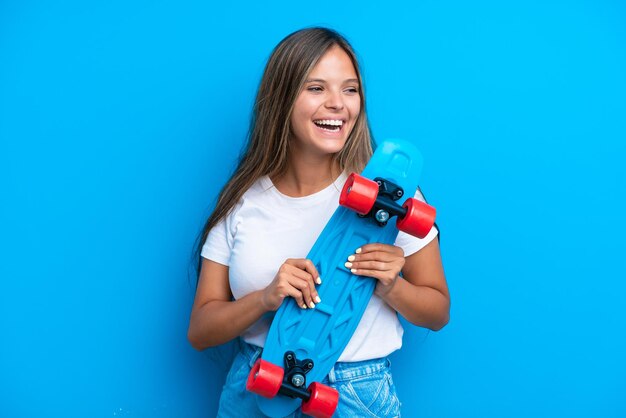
(422,297)
(216,318)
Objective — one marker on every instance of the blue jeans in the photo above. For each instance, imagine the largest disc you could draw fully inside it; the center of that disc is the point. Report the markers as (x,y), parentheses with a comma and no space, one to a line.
(365,388)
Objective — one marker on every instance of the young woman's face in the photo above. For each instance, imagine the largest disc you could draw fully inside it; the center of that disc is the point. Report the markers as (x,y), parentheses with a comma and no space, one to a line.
(327,108)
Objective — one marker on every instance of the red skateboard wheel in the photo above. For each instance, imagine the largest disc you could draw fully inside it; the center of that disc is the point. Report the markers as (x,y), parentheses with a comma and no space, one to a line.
(359,194)
(323,401)
(265,378)
(419,218)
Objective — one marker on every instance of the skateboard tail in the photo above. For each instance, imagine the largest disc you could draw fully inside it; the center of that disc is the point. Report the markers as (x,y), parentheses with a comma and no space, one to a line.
(401,159)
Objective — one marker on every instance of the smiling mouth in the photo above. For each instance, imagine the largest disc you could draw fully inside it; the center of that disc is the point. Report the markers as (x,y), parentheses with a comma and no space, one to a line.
(329,125)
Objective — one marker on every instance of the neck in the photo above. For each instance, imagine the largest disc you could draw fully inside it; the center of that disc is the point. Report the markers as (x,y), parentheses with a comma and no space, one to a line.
(307,174)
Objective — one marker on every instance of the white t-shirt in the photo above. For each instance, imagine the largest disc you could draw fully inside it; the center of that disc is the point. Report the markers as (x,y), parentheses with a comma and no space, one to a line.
(266,228)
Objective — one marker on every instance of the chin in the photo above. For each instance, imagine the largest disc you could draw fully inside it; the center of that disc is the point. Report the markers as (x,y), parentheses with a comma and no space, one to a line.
(331,146)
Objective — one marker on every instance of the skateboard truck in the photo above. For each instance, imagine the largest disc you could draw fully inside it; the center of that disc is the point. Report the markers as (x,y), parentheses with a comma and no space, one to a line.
(294,383)
(385,205)
(377,198)
(268,380)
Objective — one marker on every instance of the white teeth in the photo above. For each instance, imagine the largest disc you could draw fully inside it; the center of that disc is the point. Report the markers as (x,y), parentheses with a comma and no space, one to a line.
(330,122)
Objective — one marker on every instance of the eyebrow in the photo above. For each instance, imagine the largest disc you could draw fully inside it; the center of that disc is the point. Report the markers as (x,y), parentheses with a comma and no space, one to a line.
(319,80)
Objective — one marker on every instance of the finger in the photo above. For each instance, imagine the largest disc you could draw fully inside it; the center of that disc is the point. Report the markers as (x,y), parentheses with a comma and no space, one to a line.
(306,277)
(377,246)
(313,291)
(303,275)
(297,295)
(376,274)
(374,256)
(299,273)
(304,287)
(308,266)
(305,269)
(368,265)
(310,281)
(382,276)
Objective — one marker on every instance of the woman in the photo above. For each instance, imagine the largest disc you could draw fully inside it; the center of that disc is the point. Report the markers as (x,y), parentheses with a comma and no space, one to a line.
(308,132)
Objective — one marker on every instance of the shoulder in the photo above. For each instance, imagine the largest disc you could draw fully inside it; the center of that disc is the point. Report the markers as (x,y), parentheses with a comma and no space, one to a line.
(258,189)
(258,198)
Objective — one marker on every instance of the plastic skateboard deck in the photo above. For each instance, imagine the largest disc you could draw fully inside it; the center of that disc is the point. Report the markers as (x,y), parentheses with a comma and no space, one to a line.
(321,334)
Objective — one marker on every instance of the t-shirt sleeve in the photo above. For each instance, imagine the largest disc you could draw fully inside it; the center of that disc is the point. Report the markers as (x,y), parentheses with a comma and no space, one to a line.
(411,244)
(219,243)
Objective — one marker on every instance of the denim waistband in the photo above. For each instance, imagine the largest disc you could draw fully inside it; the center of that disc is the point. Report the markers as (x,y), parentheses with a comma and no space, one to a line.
(340,371)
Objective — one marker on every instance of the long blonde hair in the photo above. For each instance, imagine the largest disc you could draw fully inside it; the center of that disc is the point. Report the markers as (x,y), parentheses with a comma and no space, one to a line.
(268,140)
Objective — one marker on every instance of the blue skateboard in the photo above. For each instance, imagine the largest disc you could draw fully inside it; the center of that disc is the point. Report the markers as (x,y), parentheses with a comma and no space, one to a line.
(304,344)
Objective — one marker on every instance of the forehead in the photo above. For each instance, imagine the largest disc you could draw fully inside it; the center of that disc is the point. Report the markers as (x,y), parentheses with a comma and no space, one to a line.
(335,63)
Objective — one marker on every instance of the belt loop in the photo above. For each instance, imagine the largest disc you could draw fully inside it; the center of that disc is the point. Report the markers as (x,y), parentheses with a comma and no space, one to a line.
(331,375)
(250,350)
(255,355)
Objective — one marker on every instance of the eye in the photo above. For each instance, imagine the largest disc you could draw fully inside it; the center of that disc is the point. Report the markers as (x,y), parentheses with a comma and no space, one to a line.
(314,88)
(352,90)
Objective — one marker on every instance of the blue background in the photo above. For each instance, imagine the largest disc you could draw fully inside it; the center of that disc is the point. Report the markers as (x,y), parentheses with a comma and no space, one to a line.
(120,121)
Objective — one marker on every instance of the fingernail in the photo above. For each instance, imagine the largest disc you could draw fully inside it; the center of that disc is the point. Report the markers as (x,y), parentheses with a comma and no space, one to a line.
(317,299)
(303,306)
(318,280)
(348,264)
(351,258)
(358,251)
(312,305)
(353,270)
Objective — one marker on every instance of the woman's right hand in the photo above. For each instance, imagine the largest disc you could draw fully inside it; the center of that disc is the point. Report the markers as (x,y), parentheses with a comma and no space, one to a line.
(296,277)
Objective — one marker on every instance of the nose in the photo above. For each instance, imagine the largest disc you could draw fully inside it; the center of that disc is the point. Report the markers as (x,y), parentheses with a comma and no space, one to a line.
(334,100)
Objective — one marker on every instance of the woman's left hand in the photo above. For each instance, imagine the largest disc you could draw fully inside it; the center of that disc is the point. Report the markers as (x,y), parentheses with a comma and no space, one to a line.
(380,261)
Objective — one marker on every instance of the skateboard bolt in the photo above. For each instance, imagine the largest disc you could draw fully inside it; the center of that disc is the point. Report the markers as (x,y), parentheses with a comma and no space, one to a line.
(297,380)
(382,216)
(399,193)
